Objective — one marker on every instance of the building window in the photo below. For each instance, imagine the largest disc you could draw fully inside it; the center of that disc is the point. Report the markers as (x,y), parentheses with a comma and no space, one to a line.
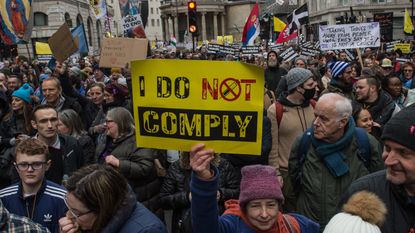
(68,20)
(79,20)
(157,10)
(158,22)
(344,2)
(151,10)
(153,22)
(41,19)
(89,25)
(99,29)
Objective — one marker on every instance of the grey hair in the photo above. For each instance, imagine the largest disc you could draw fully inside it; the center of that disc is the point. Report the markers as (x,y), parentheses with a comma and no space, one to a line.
(343,105)
(124,120)
(71,119)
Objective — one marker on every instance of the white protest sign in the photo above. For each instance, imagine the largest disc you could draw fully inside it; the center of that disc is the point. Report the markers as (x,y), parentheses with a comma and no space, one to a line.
(349,36)
(132,23)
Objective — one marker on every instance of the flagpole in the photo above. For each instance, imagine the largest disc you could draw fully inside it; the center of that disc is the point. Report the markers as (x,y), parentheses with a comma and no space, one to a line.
(412,15)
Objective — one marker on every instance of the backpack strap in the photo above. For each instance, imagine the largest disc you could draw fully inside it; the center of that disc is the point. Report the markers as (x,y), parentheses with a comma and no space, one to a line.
(302,152)
(291,223)
(270,95)
(363,146)
(279,111)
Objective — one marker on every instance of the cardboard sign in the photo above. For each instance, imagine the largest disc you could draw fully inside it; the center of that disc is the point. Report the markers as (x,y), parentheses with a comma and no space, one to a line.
(117,52)
(62,44)
(349,36)
(179,103)
(405,48)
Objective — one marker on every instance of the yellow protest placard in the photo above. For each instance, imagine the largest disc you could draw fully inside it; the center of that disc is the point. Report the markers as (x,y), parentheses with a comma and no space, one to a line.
(219,39)
(178,103)
(228,39)
(405,48)
(42,48)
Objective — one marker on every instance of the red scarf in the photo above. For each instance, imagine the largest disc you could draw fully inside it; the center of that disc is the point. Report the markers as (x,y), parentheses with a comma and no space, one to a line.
(281,225)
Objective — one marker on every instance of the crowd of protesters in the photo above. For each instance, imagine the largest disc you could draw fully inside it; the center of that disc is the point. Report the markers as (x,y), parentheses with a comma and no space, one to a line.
(69,160)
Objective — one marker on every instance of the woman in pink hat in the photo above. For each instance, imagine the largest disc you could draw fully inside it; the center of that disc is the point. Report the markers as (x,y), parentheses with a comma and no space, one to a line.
(258,207)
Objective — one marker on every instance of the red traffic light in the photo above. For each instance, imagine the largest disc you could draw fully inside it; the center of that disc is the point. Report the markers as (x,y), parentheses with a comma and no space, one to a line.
(191,5)
(192,28)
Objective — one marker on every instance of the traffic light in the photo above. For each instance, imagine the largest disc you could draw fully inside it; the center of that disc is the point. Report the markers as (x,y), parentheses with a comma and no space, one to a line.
(192,12)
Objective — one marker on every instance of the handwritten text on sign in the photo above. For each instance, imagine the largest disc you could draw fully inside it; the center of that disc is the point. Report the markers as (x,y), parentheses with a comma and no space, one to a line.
(179,103)
(347,36)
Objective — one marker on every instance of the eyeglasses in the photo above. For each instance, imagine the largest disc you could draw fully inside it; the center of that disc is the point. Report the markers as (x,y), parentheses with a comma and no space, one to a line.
(407,70)
(25,166)
(76,216)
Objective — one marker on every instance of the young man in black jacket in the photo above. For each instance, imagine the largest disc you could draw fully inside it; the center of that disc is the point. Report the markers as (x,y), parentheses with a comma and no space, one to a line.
(65,153)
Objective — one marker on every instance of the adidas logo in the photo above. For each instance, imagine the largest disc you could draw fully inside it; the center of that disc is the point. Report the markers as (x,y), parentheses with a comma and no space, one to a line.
(47,218)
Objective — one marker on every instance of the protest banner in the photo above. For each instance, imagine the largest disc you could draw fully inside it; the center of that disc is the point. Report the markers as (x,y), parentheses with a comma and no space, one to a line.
(405,48)
(385,20)
(228,39)
(275,47)
(180,103)
(250,50)
(289,54)
(42,48)
(132,26)
(218,48)
(62,43)
(117,52)
(350,55)
(349,36)
(309,51)
(16,21)
(317,45)
(213,48)
(99,8)
(389,46)
(128,7)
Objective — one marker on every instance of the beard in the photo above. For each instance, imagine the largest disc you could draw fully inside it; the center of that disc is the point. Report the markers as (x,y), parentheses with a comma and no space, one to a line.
(272,63)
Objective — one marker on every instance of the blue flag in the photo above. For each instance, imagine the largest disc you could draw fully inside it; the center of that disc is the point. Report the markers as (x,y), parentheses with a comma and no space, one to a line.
(79,33)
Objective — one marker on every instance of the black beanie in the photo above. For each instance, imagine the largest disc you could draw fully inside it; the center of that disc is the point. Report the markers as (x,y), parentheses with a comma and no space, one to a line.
(401,128)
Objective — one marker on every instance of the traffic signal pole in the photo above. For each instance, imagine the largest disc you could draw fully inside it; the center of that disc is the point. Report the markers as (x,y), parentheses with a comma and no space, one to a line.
(192,13)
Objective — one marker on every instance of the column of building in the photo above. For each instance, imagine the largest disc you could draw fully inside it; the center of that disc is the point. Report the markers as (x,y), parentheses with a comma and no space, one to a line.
(203,26)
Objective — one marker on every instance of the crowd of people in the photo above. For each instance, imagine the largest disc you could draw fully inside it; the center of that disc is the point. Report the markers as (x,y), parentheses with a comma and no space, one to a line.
(338,152)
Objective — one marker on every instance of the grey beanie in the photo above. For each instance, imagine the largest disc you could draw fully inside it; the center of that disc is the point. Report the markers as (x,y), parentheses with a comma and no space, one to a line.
(297,76)
(300,59)
(75,70)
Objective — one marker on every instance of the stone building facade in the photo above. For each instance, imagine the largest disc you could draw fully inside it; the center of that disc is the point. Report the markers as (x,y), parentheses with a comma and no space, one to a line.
(326,11)
(50,15)
(215,18)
